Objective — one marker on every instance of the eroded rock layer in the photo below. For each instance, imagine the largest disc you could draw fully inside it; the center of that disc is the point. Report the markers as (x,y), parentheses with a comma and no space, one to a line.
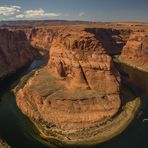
(135,52)
(15,51)
(77,90)
(41,37)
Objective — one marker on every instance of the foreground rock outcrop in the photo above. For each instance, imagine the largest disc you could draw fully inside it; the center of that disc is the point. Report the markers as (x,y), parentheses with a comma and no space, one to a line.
(135,52)
(15,51)
(77,90)
(3,144)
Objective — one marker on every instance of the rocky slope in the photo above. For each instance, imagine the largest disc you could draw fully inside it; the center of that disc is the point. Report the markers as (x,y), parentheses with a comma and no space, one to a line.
(135,52)
(77,90)
(15,51)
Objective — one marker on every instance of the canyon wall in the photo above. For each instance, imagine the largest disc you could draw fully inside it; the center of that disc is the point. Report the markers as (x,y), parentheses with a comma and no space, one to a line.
(135,52)
(15,51)
(134,58)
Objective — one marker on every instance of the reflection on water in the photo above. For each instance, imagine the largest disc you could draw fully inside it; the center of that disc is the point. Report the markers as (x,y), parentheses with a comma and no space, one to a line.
(19,132)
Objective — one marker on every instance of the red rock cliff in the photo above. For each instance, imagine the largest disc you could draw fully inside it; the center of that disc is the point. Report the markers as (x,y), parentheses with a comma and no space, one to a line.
(41,38)
(135,51)
(15,51)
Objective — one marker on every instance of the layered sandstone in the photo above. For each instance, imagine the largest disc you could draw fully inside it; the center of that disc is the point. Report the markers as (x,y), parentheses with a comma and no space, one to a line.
(77,90)
(15,51)
(135,52)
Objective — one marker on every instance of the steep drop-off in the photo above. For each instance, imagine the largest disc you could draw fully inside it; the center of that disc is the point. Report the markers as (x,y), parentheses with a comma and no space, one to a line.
(134,60)
(41,37)
(135,52)
(112,40)
(15,51)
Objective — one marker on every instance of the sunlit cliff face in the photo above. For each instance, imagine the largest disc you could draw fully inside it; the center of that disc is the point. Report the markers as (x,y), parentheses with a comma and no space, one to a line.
(136,50)
(15,51)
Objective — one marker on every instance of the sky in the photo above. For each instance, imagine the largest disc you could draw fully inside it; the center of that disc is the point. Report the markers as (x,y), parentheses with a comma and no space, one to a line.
(86,10)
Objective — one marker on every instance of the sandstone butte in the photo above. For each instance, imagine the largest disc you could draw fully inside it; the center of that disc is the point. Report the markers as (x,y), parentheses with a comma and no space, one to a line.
(76,97)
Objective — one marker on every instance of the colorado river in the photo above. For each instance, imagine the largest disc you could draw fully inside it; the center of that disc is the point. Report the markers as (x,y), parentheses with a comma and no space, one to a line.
(19,132)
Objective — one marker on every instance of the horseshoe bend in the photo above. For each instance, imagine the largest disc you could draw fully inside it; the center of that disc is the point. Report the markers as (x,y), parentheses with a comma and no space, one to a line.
(84,94)
(77,98)
(71,93)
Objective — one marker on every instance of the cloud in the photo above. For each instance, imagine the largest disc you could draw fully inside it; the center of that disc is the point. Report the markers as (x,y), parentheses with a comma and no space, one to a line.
(20,16)
(7,11)
(38,13)
(81,14)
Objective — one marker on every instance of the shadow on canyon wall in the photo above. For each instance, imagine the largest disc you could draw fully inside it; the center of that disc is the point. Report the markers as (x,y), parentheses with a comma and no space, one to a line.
(112,40)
